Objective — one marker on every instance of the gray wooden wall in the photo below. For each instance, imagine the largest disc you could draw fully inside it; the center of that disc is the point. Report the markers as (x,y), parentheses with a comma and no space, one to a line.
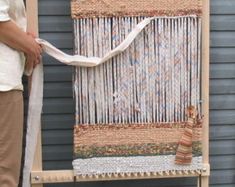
(58,118)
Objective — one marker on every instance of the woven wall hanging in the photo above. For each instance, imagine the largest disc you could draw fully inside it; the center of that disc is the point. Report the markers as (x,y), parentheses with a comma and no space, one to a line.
(139,111)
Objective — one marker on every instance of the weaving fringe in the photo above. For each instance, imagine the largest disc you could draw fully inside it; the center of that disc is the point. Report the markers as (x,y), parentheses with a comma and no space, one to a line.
(153,81)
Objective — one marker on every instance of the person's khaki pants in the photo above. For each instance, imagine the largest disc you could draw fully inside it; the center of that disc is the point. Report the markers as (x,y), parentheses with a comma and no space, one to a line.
(11,133)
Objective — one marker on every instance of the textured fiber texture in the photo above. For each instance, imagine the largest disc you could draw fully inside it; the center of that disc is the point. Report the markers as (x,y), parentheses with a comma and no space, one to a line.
(114,8)
(137,165)
(132,140)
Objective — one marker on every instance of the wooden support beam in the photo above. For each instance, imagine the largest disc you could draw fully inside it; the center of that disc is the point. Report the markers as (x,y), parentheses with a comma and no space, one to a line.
(32,20)
(53,176)
(60,176)
(205,85)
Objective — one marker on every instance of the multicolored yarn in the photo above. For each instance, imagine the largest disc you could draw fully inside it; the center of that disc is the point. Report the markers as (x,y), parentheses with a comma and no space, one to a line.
(132,139)
(149,149)
(184,150)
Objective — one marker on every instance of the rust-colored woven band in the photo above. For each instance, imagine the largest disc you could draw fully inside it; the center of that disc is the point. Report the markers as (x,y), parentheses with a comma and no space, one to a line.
(137,139)
(116,8)
(130,133)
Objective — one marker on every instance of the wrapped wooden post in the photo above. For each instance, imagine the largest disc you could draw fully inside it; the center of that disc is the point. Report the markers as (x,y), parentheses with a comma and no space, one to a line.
(131,110)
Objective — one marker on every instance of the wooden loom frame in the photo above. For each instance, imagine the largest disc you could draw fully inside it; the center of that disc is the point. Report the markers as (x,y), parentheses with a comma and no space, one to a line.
(39,177)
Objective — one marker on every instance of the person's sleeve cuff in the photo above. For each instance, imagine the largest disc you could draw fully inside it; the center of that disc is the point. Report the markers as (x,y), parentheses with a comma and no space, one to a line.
(4,18)
(4,8)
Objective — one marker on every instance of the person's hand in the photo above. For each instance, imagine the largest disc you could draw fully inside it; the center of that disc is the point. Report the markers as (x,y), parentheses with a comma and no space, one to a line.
(28,57)
(31,34)
(16,38)
(33,54)
(30,64)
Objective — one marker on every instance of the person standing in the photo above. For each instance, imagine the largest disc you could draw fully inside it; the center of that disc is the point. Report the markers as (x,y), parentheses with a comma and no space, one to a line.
(19,53)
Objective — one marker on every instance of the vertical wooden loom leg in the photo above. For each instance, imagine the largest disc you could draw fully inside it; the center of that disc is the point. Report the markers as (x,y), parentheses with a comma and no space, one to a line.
(198,182)
(37,164)
(32,15)
(205,85)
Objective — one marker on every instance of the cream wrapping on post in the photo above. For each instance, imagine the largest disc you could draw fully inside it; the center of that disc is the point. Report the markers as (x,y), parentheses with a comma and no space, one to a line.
(33,122)
(84,61)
